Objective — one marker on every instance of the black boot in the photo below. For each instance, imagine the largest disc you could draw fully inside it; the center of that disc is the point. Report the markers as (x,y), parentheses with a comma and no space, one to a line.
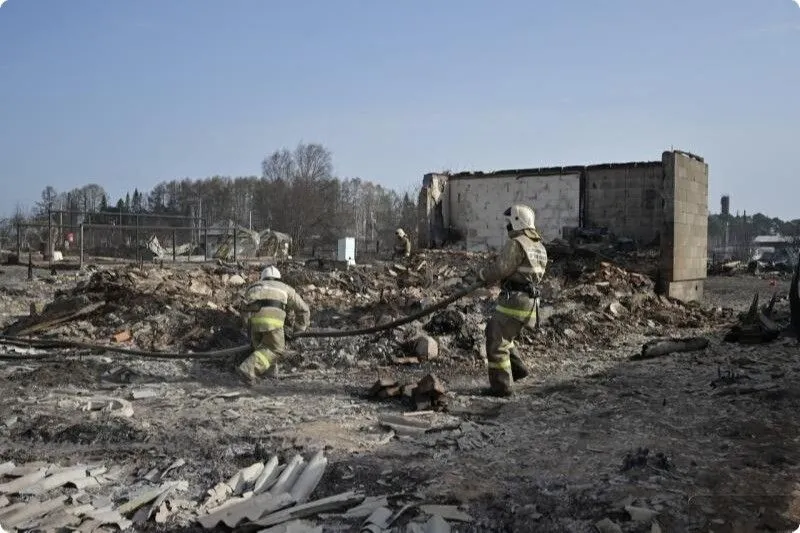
(518,369)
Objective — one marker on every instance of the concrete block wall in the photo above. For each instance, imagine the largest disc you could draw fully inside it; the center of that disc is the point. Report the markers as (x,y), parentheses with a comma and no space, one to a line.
(684,242)
(628,199)
(475,205)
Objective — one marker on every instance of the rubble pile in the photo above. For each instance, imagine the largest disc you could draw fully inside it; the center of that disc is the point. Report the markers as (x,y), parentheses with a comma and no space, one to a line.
(585,300)
(604,303)
(153,308)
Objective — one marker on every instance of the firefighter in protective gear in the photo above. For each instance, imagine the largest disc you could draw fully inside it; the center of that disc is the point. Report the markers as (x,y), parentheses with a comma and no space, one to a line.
(519,268)
(402,244)
(267,303)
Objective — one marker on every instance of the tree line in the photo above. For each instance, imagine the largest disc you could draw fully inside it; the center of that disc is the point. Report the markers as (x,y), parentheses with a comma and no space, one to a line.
(297,193)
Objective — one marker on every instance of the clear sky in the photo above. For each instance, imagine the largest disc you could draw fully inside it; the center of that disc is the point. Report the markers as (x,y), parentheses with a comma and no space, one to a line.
(126,93)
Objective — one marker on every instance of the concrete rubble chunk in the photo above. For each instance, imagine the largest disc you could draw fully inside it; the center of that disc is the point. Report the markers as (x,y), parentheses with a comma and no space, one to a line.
(309,478)
(115,407)
(331,503)
(250,509)
(448,512)
(426,348)
(142,394)
(268,475)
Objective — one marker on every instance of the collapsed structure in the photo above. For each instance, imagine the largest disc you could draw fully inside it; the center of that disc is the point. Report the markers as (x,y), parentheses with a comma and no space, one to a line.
(664,202)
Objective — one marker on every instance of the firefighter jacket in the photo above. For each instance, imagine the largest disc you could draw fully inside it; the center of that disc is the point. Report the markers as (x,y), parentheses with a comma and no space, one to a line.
(267,303)
(521,262)
(402,246)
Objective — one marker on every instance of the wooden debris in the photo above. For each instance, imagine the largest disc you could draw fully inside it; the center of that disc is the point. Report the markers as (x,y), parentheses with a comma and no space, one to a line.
(45,322)
(331,503)
(660,347)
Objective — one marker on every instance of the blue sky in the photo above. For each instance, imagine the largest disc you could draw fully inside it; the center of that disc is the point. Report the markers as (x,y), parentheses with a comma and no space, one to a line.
(126,93)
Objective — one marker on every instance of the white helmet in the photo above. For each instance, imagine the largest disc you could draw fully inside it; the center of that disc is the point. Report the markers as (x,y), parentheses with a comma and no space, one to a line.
(520,217)
(400,232)
(270,273)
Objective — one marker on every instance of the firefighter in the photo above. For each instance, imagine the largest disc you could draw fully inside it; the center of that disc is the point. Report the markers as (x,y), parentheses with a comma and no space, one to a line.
(267,303)
(519,268)
(402,244)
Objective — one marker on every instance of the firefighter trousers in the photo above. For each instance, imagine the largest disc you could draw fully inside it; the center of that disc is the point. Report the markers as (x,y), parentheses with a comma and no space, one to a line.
(514,311)
(267,346)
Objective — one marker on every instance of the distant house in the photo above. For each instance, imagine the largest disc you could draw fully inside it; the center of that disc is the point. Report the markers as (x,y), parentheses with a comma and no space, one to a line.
(773,246)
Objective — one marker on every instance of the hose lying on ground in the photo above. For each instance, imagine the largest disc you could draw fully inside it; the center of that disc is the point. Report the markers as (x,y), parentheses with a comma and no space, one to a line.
(236,350)
(389,325)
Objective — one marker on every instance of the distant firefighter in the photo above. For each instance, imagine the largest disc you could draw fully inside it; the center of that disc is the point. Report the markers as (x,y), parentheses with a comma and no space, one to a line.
(402,244)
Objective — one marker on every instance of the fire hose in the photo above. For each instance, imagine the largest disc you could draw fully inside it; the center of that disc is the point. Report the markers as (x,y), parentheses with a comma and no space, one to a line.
(236,350)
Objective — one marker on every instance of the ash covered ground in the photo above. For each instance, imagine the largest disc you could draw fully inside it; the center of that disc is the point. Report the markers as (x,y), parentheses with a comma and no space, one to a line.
(698,441)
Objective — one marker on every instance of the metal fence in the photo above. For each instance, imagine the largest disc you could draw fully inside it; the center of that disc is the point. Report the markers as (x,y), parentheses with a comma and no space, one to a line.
(125,237)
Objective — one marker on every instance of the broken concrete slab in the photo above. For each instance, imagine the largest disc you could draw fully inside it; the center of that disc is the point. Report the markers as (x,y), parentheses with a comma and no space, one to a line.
(426,347)
(250,509)
(331,503)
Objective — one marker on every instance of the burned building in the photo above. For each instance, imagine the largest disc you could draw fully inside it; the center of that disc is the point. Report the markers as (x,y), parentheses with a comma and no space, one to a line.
(663,201)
